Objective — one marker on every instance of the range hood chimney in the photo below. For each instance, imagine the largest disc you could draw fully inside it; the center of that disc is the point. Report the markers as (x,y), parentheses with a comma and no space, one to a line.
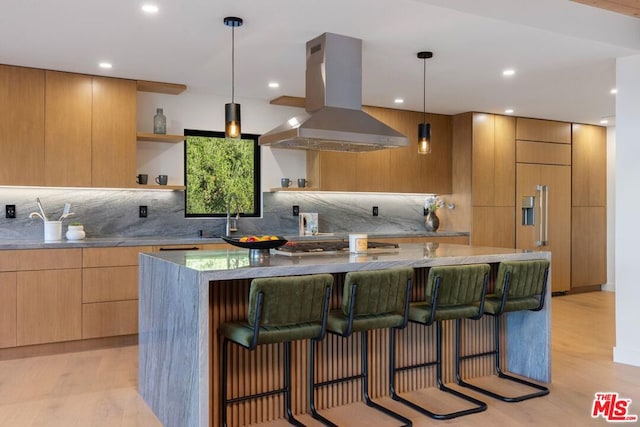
(334,120)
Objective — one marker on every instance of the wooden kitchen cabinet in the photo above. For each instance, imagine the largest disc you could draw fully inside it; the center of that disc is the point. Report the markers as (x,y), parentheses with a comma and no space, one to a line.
(331,171)
(493,154)
(400,170)
(484,178)
(67,148)
(589,161)
(113,148)
(112,256)
(106,319)
(588,212)
(110,291)
(66,129)
(588,246)
(21,125)
(7,309)
(48,295)
(493,226)
(49,306)
(543,130)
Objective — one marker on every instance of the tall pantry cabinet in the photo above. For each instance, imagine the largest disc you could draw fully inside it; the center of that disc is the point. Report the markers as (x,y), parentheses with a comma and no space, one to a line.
(588,211)
(484,178)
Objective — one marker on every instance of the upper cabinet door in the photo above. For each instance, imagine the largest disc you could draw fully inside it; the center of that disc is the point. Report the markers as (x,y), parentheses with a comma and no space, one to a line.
(67,148)
(589,161)
(543,131)
(493,154)
(21,126)
(113,133)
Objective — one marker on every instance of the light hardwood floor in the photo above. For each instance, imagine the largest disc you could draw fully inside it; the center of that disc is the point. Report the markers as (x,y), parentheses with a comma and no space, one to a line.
(98,387)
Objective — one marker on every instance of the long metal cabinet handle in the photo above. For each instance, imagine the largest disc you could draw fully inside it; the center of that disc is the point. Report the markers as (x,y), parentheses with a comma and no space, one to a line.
(541,218)
(546,215)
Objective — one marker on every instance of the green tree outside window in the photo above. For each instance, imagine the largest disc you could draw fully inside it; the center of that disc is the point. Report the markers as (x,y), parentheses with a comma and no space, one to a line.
(221,174)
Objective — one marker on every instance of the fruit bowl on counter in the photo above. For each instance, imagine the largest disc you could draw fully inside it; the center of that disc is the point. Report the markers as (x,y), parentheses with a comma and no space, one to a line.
(258,247)
(256,242)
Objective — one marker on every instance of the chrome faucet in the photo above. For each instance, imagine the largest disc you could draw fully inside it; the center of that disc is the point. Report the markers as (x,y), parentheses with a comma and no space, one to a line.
(232,223)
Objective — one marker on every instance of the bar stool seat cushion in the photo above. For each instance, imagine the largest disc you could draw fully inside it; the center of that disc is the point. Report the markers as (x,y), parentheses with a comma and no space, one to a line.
(242,333)
(492,304)
(421,312)
(338,323)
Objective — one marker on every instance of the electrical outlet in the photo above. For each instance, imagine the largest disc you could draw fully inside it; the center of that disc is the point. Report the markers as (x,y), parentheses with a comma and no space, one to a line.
(375,211)
(295,210)
(10,211)
(142,211)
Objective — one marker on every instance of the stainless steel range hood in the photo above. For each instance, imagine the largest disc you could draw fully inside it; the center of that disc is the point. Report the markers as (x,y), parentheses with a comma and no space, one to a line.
(334,120)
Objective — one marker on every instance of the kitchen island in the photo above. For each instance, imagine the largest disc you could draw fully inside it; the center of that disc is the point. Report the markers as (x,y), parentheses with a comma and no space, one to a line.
(184,296)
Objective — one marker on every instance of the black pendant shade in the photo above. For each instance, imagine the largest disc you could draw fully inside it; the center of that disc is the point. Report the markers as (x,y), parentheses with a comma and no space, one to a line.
(424,138)
(232,120)
(232,127)
(424,129)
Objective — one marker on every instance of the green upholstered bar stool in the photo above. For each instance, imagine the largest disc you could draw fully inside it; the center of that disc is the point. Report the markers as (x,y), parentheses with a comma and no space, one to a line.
(520,285)
(281,310)
(452,293)
(377,299)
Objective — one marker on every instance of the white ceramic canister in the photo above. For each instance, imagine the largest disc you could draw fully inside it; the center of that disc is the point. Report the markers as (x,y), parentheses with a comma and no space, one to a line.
(358,243)
(52,231)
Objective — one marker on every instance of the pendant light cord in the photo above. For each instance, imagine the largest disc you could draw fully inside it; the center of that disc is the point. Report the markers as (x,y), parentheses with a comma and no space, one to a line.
(233,63)
(424,90)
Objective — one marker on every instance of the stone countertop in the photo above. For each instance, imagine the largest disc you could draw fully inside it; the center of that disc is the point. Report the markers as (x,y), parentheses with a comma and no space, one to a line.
(238,264)
(161,241)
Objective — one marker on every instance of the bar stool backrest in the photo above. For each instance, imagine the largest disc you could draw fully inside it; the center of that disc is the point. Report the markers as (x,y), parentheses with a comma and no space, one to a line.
(459,284)
(289,300)
(526,278)
(378,291)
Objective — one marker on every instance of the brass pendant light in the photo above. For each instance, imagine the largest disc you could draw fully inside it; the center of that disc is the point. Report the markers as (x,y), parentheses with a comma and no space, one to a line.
(424,128)
(232,110)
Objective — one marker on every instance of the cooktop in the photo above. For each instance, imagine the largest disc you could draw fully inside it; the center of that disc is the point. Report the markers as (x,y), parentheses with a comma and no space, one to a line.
(327,248)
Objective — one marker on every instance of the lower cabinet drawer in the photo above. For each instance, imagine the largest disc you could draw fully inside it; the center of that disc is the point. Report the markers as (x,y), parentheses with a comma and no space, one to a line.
(106,319)
(109,284)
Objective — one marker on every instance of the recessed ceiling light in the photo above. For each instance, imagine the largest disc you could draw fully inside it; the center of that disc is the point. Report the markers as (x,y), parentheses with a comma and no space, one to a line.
(398,100)
(604,121)
(274,84)
(105,65)
(508,72)
(150,8)
(613,91)
(508,111)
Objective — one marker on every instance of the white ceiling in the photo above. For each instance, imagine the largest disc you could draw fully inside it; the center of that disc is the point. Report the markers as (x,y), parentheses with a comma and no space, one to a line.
(563,52)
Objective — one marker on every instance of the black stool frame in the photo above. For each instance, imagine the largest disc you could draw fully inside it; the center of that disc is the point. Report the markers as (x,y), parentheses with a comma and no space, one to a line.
(479,405)
(364,375)
(287,364)
(542,390)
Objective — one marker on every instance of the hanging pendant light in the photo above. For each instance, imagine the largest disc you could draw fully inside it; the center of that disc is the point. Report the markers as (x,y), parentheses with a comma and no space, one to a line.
(424,128)
(232,110)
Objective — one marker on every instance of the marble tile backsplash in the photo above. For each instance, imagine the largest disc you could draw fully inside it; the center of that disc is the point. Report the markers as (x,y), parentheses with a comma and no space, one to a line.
(114,213)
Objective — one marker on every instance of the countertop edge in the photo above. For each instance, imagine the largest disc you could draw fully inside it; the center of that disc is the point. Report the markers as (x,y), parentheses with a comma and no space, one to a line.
(151,241)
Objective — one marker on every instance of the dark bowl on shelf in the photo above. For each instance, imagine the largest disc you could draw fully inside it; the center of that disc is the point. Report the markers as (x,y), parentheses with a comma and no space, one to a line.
(266,244)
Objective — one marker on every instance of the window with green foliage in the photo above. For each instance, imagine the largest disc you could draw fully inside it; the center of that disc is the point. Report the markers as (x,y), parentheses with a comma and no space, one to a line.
(221,174)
